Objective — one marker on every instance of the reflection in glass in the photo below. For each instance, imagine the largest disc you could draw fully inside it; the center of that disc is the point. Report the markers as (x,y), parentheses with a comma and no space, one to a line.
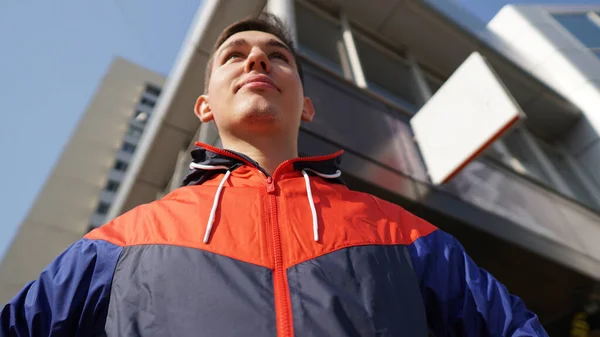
(386,74)
(520,151)
(562,166)
(320,39)
(581,27)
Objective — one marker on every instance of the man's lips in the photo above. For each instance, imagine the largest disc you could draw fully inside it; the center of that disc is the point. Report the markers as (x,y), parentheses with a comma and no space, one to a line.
(257,81)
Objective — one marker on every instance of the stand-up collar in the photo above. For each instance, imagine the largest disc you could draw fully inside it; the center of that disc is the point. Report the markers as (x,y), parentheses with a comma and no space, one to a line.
(208,160)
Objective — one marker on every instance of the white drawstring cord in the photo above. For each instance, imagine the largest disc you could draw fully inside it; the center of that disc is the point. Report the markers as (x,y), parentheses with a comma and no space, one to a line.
(207,167)
(337,174)
(211,218)
(311,201)
(213,211)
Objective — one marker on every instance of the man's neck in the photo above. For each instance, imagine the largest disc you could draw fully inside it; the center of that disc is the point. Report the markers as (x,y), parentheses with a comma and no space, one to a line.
(267,151)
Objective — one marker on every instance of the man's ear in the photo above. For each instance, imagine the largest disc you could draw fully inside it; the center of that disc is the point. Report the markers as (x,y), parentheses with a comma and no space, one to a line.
(202,109)
(308,111)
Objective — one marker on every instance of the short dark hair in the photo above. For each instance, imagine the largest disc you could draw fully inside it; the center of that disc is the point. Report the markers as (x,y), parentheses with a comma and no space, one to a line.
(264,22)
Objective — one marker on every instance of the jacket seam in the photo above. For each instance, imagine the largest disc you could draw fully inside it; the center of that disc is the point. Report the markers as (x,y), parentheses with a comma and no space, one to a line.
(104,240)
(355,244)
(197,248)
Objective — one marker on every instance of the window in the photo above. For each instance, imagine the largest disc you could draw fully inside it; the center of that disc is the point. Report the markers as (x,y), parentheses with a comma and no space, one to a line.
(563,167)
(128,147)
(141,116)
(320,38)
(153,90)
(120,165)
(147,102)
(583,26)
(112,186)
(134,131)
(102,208)
(386,72)
(524,157)
(514,152)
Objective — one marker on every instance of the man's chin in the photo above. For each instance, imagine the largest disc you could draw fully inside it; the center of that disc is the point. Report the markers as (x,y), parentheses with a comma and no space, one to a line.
(258,109)
(261,116)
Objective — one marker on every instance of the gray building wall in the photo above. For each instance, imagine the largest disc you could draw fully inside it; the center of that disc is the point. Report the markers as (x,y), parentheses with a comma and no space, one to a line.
(66,204)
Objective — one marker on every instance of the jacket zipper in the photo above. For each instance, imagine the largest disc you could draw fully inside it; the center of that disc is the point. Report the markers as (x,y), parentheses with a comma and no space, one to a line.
(283,311)
(283,307)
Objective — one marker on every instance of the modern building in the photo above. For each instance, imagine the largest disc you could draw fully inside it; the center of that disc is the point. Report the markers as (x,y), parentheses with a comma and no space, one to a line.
(525,204)
(82,185)
(560,45)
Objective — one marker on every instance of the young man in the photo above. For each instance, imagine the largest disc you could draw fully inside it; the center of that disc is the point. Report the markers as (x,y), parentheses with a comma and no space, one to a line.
(262,243)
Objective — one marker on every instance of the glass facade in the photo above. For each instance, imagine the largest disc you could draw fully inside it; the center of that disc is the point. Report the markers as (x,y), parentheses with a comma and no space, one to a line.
(102,208)
(584,29)
(120,165)
(515,152)
(147,102)
(386,73)
(127,147)
(153,90)
(583,26)
(320,38)
(134,132)
(564,167)
(521,157)
(389,75)
(112,186)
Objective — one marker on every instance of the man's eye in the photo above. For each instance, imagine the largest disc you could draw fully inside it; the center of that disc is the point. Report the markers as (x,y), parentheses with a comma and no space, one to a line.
(232,56)
(279,56)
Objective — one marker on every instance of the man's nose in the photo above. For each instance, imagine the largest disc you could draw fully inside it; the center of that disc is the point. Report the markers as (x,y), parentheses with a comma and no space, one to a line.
(257,60)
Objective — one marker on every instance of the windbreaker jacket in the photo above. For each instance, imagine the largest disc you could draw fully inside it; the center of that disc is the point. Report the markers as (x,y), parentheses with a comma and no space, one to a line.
(236,252)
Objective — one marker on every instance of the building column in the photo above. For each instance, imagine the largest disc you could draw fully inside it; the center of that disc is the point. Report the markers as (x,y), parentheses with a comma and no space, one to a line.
(355,65)
(423,90)
(285,10)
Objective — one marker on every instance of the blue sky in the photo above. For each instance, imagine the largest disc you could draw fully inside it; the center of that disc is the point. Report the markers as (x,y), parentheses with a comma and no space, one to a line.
(52,56)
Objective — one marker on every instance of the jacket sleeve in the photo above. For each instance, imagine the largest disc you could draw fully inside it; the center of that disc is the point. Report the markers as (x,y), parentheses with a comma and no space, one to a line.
(462,299)
(70,297)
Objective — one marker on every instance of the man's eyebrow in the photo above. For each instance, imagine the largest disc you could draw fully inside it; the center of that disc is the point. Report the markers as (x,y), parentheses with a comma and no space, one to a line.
(234,43)
(279,44)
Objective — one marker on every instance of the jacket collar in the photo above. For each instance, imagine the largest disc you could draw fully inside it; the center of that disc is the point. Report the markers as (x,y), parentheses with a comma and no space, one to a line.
(210,156)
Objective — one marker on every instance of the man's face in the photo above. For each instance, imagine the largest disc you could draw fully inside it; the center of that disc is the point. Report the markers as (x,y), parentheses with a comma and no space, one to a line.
(254,86)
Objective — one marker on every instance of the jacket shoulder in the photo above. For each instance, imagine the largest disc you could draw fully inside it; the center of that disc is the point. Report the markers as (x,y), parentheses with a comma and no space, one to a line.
(149,223)
(120,230)
(409,226)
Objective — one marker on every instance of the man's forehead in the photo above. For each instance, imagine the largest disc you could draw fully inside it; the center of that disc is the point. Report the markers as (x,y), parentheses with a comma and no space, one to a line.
(252,37)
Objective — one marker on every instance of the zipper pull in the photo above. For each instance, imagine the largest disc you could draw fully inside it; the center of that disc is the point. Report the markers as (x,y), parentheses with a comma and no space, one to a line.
(270,185)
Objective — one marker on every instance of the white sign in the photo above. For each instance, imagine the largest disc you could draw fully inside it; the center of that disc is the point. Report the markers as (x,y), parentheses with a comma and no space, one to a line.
(469,112)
